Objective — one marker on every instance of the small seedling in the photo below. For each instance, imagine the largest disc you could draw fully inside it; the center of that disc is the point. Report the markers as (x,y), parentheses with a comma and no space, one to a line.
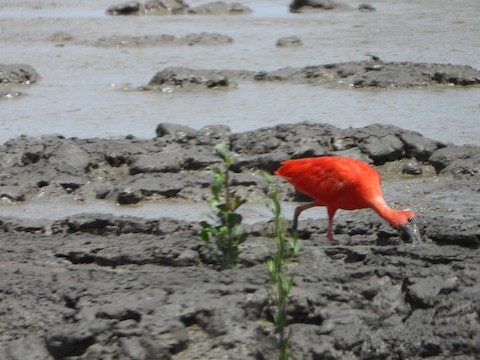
(224,237)
(286,248)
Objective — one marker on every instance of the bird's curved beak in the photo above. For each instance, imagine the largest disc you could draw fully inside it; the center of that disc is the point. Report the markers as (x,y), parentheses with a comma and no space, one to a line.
(411,231)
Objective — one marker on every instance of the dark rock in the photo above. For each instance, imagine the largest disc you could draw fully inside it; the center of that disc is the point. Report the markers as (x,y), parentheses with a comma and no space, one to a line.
(220,8)
(128,8)
(366,8)
(465,77)
(412,167)
(187,79)
(289,41)
(33,154)
(116,160)
(431,347)
(69,182)
(69,340)
(178,132)
(305,5)
(120,313)
(129,197)
(18,74)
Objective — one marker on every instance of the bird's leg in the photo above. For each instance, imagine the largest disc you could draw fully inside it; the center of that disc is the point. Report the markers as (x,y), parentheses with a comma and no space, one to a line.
(298,211)
(331,213)
(330,230)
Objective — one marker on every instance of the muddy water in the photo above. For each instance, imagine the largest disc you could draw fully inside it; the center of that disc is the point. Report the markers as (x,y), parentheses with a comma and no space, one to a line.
(83,87)
(62,207)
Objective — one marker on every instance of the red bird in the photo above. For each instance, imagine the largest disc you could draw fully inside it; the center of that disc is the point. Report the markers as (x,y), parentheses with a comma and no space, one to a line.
(343,183)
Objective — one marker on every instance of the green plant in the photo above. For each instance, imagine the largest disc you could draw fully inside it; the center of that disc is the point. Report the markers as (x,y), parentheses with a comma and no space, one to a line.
(286,248)
(224,237)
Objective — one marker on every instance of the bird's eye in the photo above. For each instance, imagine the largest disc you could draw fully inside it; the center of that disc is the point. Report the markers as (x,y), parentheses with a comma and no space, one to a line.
(411,219)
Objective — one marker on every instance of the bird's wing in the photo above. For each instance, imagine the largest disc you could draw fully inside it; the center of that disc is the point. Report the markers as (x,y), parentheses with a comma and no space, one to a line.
(329,179)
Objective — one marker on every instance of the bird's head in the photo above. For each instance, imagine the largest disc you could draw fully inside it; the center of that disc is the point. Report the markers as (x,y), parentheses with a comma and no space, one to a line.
(406,222)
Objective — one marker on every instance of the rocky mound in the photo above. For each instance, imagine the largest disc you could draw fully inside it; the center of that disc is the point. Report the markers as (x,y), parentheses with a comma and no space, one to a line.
(357,74)
(176,7)
(178,161)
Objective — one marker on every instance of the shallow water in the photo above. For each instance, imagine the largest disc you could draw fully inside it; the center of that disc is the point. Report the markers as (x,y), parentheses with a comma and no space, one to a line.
(401,195)
(81,92)
(59,208)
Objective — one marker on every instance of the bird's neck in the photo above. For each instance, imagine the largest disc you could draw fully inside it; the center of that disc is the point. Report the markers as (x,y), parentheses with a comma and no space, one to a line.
(385,211)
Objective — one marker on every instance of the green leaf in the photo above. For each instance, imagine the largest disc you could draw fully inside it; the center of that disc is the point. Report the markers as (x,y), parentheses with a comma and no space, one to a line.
(296,246)
(234,219)
(205,225)
(224,208)
(218,184)
(272,270)
(277,318)
(286,283)
(206,232)
(224,153)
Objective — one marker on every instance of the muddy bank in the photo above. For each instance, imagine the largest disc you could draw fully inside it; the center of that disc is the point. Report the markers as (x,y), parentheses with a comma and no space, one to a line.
(15,75)
(124,288)
(177,163)
(373,73)
(177,7)
(92,286)
(162,40)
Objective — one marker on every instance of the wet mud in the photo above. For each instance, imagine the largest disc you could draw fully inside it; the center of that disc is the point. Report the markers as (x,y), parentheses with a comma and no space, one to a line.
(100,286)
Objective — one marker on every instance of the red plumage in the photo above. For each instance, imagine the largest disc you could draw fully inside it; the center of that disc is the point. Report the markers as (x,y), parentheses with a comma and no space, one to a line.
(340,183)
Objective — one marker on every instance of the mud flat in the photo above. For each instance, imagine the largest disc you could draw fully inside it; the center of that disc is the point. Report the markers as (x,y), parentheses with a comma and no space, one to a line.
(92,286)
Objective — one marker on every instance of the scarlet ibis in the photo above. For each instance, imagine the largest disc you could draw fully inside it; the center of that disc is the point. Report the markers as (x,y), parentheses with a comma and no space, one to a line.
(343,183)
